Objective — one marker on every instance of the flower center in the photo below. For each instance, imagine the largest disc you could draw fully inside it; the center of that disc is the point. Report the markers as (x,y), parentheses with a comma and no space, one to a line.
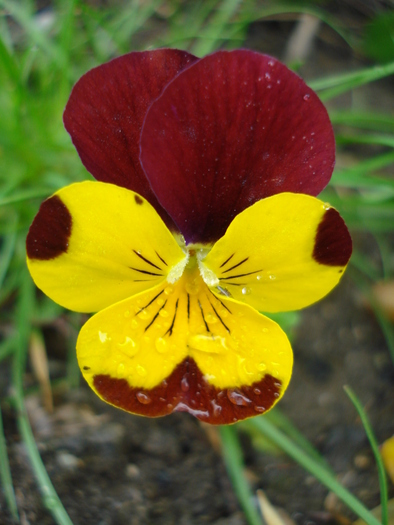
(194,256)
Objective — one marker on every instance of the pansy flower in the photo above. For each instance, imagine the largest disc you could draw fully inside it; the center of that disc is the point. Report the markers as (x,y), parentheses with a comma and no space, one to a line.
(203,215)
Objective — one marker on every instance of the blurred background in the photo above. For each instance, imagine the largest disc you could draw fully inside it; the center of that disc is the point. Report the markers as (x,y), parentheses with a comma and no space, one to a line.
(66,457)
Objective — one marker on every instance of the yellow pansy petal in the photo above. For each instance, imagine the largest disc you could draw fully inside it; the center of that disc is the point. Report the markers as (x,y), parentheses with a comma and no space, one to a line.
(93,244)
(182,348)
(283,253)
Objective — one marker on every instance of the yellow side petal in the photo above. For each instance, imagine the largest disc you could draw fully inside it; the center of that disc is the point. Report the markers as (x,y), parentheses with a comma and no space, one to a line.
(181,347)
(283,253)
(93,244)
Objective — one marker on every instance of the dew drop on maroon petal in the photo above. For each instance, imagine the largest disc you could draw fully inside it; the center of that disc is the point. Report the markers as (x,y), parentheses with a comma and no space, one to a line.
(144,399)
(236,397)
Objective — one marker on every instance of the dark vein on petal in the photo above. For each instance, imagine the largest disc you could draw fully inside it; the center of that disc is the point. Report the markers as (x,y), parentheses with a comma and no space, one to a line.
(203,317)
(146,260)
(234,284)
(143,280)
(150,302)
(155,317)
(240,275)
(169,331)
(161,258)
(235,265)
(220,319)
(147,273)
(221,302)
(227,260)
(188,307)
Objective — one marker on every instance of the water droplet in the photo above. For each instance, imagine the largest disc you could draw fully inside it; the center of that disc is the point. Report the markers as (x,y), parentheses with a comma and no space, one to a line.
(160,301)
(103,337)
(141,371)
(259,277)
(121,368)
(134,323)
(144,399)
(129,347)
(272,277)
(271,63)
(209,343)
(261,367)
(170,406)
(144,314)
(210,318)
(267,76)
(257,391)
(269,86)
(266,155)
(192,286)
(306,97)
(168,290)
(161,345)
(185,384)
(217,409)
(246,291)
(127,313)
(264,330)
(259,409)
(238,398)
(276,394)
(223,313)
(326,206)
(163,313)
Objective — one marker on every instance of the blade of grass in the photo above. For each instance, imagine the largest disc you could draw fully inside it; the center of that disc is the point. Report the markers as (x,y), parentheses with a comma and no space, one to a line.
(8,247)
(372,121)
(335,85)
(380,140)
(311,465)
(375,450)
(210,36)
(232,454)
(5,474)
(25,309)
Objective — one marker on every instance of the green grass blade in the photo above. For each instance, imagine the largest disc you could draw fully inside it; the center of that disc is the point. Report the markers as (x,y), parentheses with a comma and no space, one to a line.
(232,454)
(5,474)
(375,450)
(333,86)
(9,241)
(25,310)
(379,140)
(311,465)
(213,32)
(363,120)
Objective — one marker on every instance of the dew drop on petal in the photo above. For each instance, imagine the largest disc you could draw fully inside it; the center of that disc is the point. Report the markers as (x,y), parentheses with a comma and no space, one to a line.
(168,290)
(192,287)
(141,371)
(261,367)
(264,329)
(257,391)
(306,97)
(144,399)
(272,277)
(160,301)
(134,323)
(120,368)
(129,346)
(144,314)
(210,318)
(103,337)
(238,398)
(185,384)
(326,206)
(259,277)
(258,409)
(161,345)
(163,313)
(217,409)
(127,313)
(246,291)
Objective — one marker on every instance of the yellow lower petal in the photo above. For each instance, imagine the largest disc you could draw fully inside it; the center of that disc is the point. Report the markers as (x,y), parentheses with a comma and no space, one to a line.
(183,346)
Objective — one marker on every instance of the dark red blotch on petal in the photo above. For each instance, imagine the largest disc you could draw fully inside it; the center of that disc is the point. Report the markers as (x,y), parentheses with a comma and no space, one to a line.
(185,390)
(106,110)
(230,130)
(333,244)
(49,234)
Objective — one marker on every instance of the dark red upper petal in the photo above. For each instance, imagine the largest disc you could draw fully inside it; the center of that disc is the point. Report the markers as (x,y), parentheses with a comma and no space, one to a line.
(233,128)
(106,110)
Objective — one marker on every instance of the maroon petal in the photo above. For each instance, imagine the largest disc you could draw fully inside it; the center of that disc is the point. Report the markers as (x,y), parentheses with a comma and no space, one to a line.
(230,130)
(106,109)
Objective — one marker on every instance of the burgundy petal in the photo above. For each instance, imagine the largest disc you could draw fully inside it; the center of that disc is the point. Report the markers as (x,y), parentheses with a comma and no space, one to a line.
(106,109)
(231,129)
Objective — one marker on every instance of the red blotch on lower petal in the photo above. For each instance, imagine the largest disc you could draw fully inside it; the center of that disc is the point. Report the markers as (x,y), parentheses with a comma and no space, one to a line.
(333,244)
(186,390)
(106,109)
(230,130)
(50,231)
